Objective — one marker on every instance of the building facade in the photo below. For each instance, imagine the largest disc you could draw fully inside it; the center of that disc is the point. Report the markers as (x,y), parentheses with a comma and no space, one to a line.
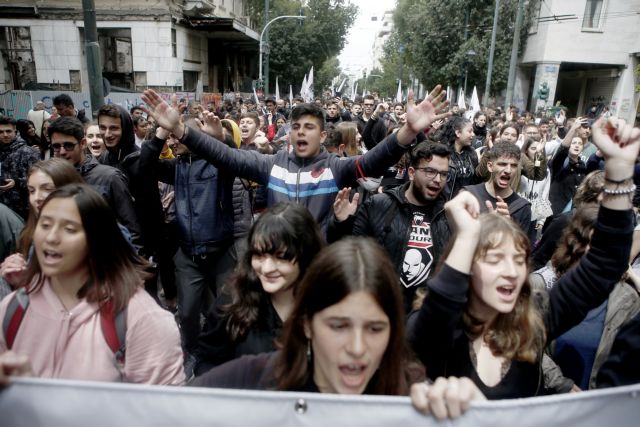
(168,45)
(584,55)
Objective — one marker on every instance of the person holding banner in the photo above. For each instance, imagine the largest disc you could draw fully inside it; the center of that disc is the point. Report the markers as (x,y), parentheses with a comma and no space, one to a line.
(84,313)
(345,335)
(481,319)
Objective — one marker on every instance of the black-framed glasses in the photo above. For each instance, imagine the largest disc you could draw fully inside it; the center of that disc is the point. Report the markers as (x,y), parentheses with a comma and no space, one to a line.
(431,173)
(68,146)
(368,105)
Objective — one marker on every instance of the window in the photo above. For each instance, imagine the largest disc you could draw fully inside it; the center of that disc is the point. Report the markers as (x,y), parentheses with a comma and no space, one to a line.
(592,14)
(174,44)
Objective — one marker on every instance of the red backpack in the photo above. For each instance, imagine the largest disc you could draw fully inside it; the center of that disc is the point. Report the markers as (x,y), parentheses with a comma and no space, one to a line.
(114,328)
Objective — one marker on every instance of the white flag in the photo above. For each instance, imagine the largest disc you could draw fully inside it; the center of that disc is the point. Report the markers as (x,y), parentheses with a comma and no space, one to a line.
(303,89)
(399,93)
(255,95)
(341,85)
(475,102)
(309,90)
(290,95)
(461,103)
(277,89)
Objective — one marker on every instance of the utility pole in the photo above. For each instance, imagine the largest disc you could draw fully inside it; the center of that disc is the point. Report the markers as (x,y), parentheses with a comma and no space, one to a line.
(492,51)
(266,61)
(92,51)
(514,56)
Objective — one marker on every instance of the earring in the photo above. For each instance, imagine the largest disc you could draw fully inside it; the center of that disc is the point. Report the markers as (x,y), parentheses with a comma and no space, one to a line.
(309,351)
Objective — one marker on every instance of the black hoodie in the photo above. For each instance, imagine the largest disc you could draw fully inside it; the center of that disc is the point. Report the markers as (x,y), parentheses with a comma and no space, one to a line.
(115,156)
(146,197)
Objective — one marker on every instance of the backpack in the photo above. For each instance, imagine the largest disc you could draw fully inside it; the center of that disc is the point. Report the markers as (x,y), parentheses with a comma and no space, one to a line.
(114,327)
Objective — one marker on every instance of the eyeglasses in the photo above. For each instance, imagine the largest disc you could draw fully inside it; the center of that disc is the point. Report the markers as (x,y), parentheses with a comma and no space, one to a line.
(431,173)
(68,146)
(368,105)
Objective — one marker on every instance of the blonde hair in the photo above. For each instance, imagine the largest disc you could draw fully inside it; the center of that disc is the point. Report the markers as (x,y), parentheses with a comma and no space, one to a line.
(348,132)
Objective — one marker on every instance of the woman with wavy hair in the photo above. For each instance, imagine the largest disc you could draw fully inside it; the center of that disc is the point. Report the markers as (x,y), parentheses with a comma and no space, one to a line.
(480,320)
(345,335)
(457,133)
(259,297)
(581,351)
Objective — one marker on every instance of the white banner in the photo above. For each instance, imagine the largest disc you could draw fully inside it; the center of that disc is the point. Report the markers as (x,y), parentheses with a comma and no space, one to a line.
(51,403)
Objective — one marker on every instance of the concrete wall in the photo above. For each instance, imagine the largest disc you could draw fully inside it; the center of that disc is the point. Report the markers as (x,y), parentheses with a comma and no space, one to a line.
(566,41)
(57,48)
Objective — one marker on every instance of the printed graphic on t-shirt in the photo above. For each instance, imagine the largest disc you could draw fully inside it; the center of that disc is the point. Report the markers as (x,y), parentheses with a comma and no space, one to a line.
(418,258)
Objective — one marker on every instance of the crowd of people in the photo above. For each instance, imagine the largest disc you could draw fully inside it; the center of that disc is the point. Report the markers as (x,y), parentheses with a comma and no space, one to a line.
(332,246)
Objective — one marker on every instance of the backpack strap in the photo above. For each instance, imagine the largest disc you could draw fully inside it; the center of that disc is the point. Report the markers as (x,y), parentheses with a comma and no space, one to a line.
(114,329)
(14,315)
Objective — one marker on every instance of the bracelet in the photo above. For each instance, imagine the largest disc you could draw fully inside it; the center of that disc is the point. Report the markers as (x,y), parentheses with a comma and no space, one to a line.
(620,192)
(622,181)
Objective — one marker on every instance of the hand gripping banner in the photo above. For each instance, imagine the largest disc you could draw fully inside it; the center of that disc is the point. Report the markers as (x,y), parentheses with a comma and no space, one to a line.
(51,403)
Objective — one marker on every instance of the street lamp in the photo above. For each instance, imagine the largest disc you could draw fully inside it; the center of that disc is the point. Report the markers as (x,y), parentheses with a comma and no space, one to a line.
(262,34)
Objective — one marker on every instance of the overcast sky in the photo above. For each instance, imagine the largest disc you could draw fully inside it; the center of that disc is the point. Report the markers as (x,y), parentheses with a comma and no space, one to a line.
(356,54)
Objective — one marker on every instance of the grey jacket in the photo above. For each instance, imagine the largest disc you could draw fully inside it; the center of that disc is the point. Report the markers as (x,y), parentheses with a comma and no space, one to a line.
(623,305)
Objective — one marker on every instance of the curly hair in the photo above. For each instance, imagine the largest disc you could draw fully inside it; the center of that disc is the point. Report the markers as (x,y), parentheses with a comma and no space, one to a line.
(454,124)
(575,239)
(287,230)
(519,334)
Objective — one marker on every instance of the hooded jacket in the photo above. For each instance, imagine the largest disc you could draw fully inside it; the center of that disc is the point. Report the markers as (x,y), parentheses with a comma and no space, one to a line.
(311,182)
(16,158)
(115,156)
(146,197)
(203,197)
(112,184)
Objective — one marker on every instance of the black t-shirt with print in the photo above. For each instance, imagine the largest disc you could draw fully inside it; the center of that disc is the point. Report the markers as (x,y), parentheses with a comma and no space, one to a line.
(418,257)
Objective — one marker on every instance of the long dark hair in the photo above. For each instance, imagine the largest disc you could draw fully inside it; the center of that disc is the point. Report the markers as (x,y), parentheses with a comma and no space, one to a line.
(62,173)
(453,125)
(575,240)
(350,265)
(115,270)
(287,230)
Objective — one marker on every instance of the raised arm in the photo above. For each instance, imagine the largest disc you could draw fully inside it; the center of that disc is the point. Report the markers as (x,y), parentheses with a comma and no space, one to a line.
(433,332)
(589,284)
(421,116)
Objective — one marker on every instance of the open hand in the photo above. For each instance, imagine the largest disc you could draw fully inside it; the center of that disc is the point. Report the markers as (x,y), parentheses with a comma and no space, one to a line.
(501,208)
(164,114)
(212,125)
(421,116)
(342,207)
